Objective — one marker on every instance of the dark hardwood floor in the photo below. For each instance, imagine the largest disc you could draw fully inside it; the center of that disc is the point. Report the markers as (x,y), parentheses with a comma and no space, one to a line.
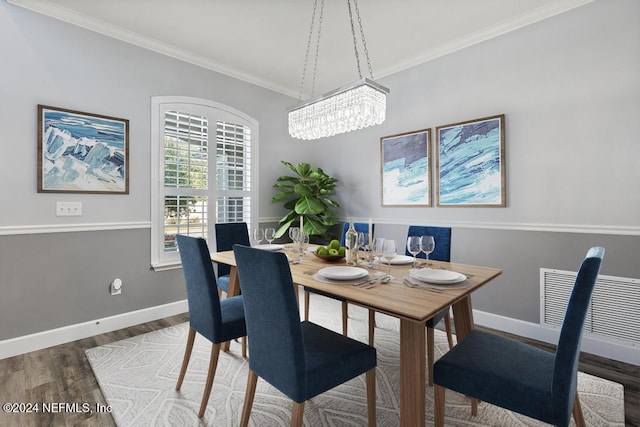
(62,374)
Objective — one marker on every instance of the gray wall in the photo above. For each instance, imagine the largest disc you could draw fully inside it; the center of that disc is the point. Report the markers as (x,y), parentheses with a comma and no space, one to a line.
(569,86)
(570,89)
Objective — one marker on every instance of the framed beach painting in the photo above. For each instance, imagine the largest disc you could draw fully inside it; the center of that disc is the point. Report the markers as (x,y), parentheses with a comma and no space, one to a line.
(406,169)
(82,152)
(470,163)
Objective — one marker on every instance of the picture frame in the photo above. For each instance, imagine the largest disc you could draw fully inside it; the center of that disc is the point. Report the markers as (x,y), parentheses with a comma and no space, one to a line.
(406,169)
(470,163)
(82,152)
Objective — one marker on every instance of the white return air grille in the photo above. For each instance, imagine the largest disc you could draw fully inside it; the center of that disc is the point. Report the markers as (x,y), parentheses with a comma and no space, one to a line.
(614,312)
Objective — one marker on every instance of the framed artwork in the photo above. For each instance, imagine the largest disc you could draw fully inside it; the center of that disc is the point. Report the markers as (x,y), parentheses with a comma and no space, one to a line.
(406,169)
(470,163)
(82,152)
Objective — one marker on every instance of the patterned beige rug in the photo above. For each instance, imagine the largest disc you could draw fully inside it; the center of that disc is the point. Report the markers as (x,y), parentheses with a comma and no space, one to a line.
(137,377)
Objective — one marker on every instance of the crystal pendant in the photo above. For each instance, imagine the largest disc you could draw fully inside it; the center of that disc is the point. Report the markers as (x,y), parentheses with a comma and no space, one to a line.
(357,106)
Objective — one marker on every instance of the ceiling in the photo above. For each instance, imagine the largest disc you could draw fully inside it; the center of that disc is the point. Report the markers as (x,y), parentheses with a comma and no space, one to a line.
(264,41)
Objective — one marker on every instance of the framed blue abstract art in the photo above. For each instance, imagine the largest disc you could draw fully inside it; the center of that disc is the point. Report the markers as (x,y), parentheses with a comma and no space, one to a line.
(81,152)
(406,169)
(470,163)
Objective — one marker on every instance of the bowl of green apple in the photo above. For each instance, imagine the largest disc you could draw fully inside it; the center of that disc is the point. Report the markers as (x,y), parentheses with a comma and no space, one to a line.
(331,253)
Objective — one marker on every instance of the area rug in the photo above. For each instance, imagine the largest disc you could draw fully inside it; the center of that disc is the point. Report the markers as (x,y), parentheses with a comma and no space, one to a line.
(137,377)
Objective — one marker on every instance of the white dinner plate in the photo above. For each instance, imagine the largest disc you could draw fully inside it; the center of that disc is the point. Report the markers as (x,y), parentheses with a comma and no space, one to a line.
(272,247)
(441,277)
(343,273)
(398,260)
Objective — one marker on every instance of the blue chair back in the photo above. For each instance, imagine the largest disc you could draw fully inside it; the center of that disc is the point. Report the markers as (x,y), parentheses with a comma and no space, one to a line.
(227,235)
(273,330)
(202,291)
(361,227)
(442,236)
(565,369)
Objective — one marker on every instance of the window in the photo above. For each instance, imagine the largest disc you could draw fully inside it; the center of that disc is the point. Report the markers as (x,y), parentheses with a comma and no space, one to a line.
(203,172)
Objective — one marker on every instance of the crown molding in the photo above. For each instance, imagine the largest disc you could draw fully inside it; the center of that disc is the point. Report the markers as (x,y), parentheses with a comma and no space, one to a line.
(96,25)
(81,20)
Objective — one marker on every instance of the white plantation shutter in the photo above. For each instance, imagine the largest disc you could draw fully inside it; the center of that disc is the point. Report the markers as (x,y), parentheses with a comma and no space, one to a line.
(192,190)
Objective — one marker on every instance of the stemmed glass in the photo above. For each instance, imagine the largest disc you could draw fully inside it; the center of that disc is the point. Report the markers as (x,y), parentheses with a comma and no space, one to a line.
(363,245)
(258,235)
(270,234)
(378,245)
(389,251)
(427,245)
(413,247)
(300,244)
(293,233)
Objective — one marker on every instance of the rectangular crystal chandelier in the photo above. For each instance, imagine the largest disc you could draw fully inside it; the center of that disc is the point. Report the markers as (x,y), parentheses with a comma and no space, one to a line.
(356,106)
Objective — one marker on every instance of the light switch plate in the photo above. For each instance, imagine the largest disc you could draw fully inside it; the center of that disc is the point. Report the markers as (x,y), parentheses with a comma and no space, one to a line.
(68,208)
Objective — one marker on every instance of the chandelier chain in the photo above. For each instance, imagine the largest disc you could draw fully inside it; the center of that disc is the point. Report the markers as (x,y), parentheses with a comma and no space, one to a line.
(364,41)
(306,56)
(315,65)
(355,42)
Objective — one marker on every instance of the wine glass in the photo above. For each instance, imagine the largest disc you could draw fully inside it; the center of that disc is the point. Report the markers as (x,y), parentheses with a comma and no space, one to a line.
(378,244)
(293,233)
(258,235)
(389,251)
(270,234)
(413,247)
(301,242)
(363,244)
(427,245)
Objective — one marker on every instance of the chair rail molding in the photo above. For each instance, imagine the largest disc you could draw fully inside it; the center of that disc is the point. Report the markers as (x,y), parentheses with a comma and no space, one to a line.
(69,228)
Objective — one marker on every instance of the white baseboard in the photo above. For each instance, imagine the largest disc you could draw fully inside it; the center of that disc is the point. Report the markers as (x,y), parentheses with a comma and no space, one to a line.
(44,339)
(592,345)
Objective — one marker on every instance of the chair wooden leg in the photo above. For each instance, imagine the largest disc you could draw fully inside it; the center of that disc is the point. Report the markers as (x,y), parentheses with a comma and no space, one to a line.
(187,355)
(306,305)
(297,414)
(252,380)
(577,412)
(430,354)
(438,405)
(213,364)
(244,346)
(371,396)
(474,406)
(447,327)
(345,317)
(372,324)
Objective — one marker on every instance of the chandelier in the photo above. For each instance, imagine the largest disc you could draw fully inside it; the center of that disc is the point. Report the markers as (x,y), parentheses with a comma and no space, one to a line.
(354,106)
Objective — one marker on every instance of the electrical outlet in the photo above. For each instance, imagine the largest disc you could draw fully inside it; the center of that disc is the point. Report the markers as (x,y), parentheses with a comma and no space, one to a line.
(68,208)
(116,287)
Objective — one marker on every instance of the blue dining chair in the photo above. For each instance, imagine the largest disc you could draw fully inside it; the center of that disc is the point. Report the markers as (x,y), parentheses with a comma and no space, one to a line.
(301,359)
(518,376)
(361,227)
(218,321)
(227,235)
(442,252)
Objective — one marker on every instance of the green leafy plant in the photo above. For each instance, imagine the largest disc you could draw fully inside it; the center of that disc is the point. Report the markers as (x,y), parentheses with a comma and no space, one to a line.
(306,195)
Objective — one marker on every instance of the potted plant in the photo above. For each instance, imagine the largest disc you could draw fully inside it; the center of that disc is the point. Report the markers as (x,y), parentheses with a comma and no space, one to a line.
(307,196)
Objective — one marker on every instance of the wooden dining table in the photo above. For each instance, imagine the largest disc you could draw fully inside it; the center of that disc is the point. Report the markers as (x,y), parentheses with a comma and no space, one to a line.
(413,306)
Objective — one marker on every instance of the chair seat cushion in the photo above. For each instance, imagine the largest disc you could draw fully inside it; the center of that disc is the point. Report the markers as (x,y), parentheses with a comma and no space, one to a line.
(332,359)
(500,371)
(324,294)
(233,323)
